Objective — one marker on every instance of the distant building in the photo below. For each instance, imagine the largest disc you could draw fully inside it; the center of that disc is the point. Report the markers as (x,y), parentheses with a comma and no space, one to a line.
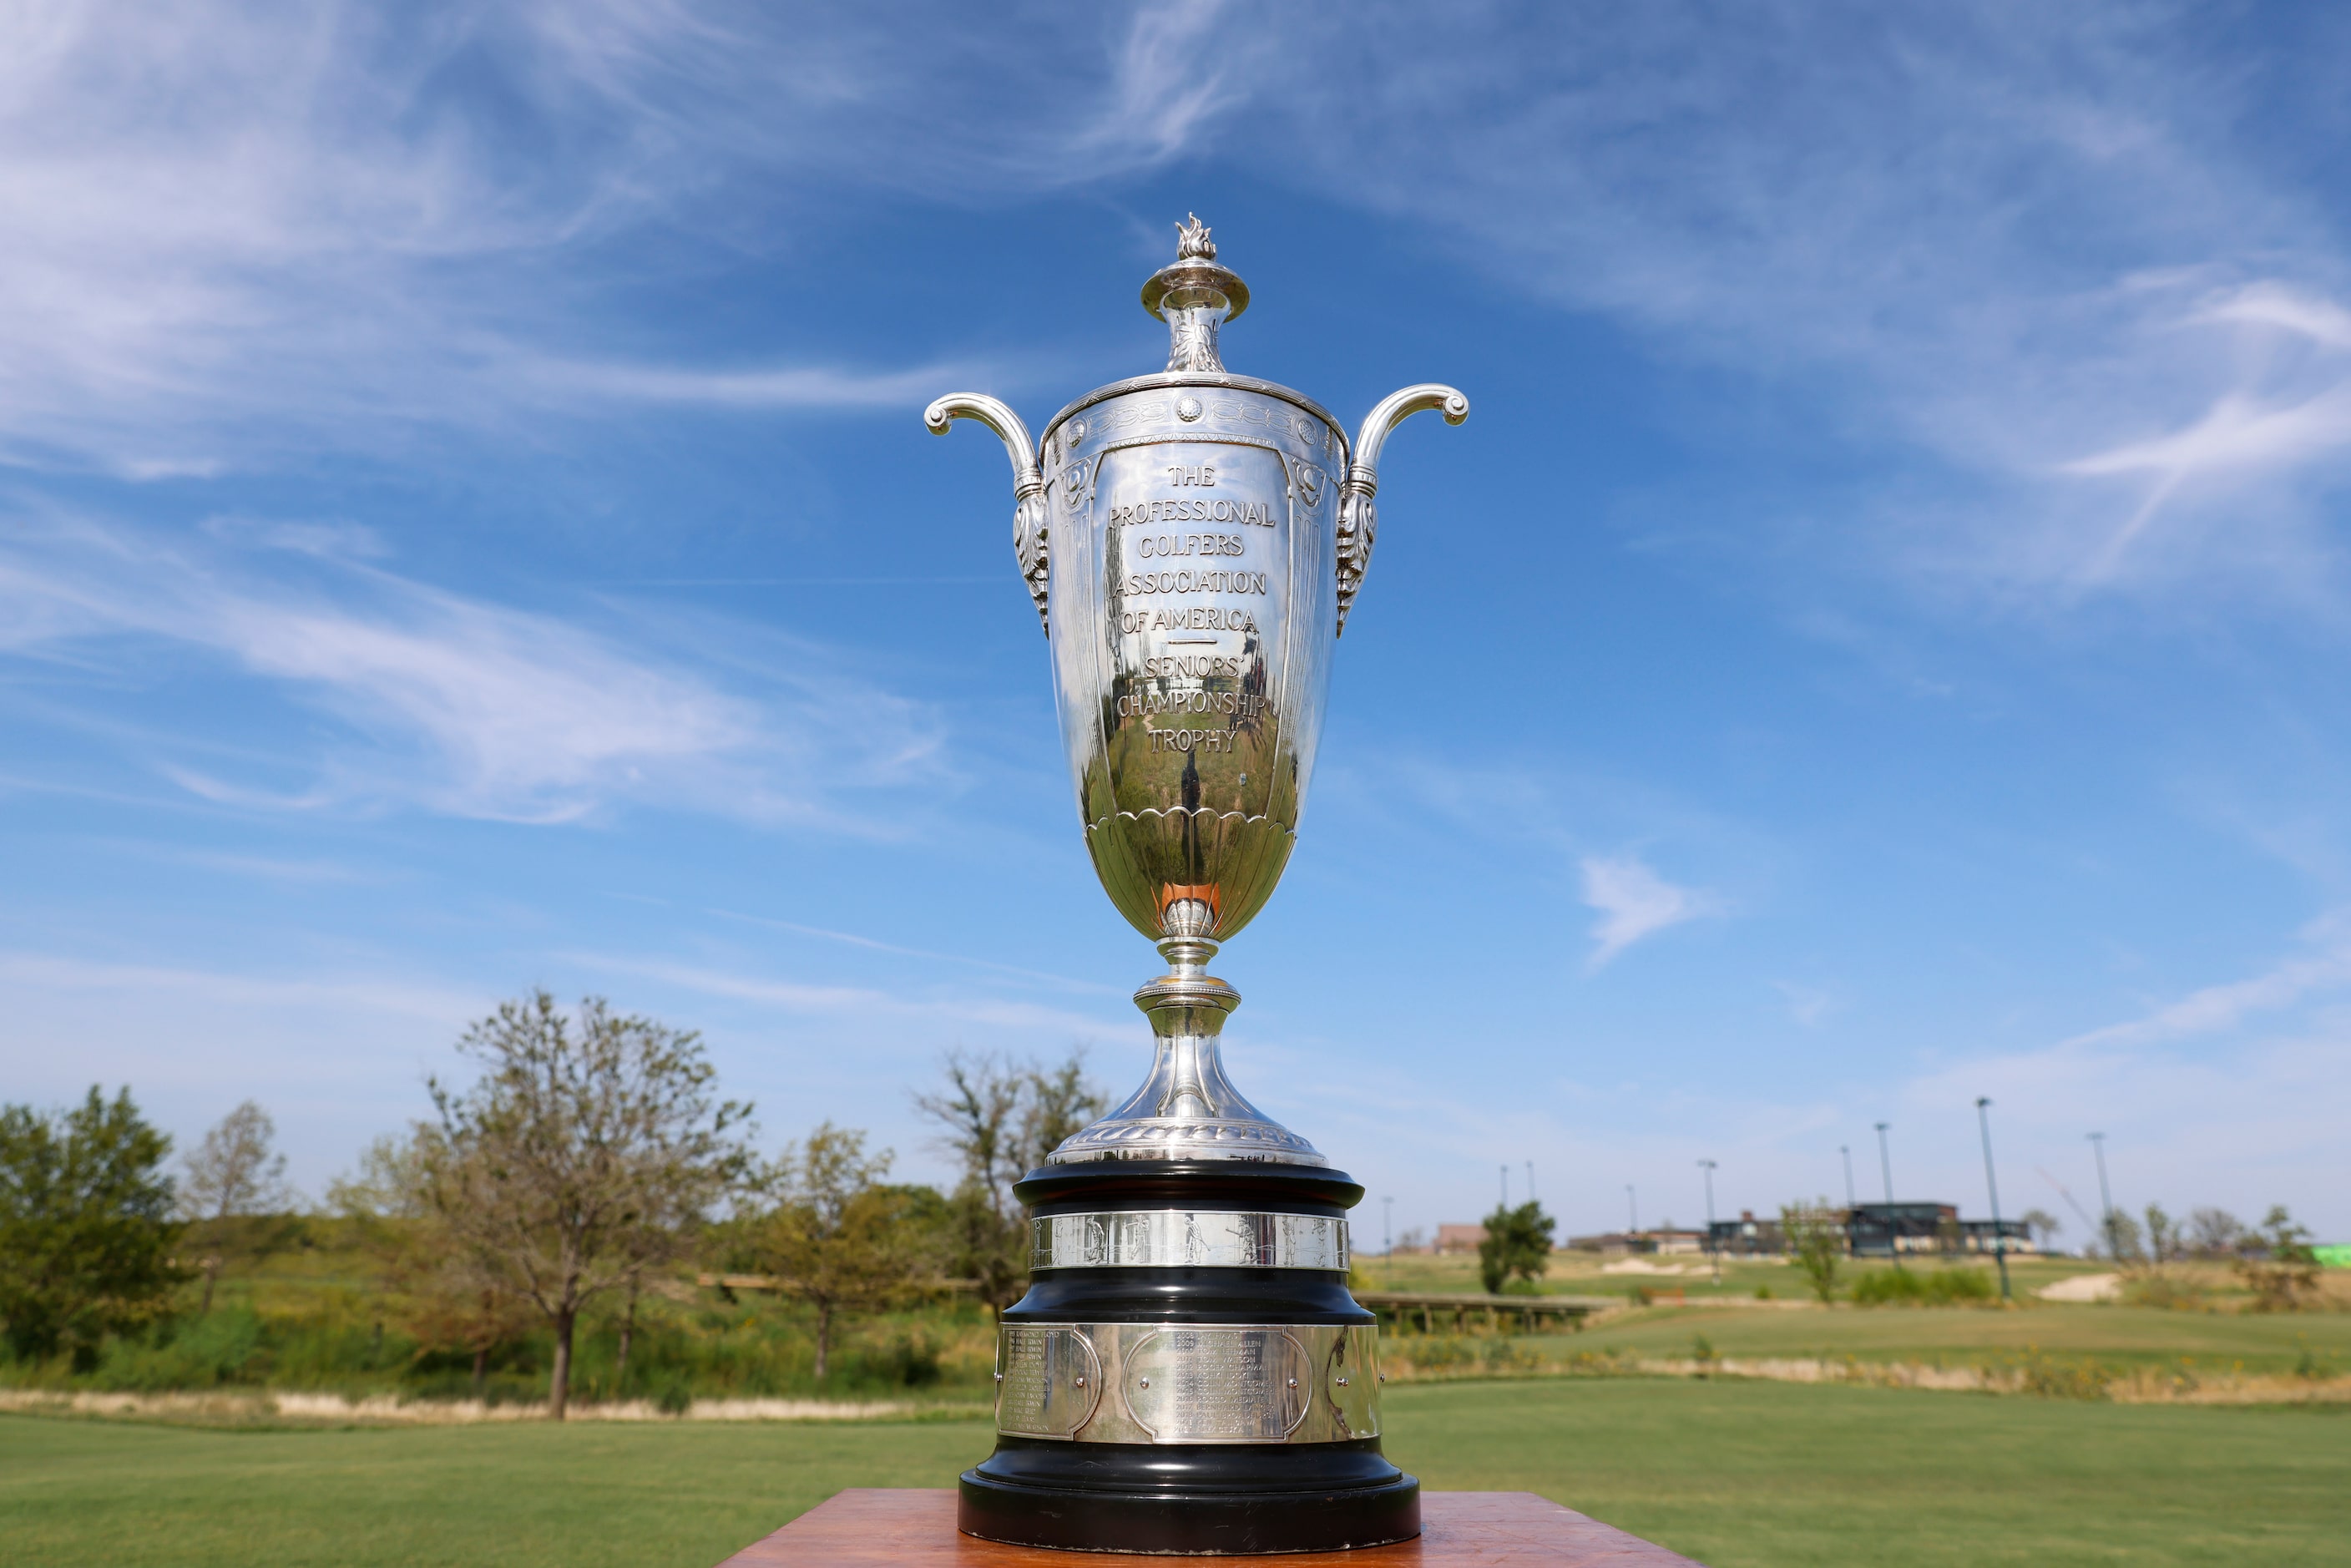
(1610,1243)
(1626,1243)
(1456,1240)
(1747,1237)
(1900,1229)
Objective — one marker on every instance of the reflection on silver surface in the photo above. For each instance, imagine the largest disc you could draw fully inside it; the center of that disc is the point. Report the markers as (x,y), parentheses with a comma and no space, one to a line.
(1216,1384)
(1175,1239)
(1049,1381)
(1194,540)
(1201,1383)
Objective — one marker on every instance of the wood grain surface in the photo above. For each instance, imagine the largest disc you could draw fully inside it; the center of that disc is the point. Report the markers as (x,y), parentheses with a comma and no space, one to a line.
(915,1528)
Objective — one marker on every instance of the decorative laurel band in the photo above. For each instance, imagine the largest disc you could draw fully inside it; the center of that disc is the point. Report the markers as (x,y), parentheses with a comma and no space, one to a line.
(1180,1239)
(1187,1382)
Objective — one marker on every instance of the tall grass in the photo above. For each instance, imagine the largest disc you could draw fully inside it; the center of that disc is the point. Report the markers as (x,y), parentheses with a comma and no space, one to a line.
(1922,1288)
(706,1347)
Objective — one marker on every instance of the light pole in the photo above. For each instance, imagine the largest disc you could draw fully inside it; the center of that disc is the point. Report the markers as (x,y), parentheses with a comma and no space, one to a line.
(1506,1188)
(1633,1205)
(1991,1184)
(1847,1150)
(2106,1198)
(1886,1163)
(1711,1245)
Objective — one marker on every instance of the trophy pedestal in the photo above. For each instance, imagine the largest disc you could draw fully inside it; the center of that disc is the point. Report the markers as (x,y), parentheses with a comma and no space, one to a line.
(1159,1394)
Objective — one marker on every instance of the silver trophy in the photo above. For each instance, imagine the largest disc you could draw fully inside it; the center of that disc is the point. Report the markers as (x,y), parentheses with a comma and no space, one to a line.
(1193,541)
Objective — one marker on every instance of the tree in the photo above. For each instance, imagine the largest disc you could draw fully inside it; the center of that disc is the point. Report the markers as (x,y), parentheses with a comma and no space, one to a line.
(589,1152)
(2165,1241)
(1816,1238)
(2215,1233)
(234,1174)
(2042,1226)
(441,1291)
(2287,1269)
(85,1227)
(1001,1119)
(1517,1245)
(2125,1243)
(845,1242)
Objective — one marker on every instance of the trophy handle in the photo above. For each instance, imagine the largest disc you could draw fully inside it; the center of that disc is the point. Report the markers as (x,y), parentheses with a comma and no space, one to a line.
(1359,519)
(1027,481)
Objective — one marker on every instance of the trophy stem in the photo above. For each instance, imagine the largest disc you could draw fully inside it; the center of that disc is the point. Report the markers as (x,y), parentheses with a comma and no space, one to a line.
(1188,1108)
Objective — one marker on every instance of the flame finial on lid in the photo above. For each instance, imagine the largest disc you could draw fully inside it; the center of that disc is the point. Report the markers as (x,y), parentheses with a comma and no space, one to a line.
(1192,241)
(1194,295)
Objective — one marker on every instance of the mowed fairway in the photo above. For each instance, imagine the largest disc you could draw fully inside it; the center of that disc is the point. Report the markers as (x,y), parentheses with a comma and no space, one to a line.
(1774,1475)
(1734,1473)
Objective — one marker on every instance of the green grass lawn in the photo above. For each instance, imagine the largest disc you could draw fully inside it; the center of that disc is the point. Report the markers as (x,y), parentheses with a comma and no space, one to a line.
(1733,1473)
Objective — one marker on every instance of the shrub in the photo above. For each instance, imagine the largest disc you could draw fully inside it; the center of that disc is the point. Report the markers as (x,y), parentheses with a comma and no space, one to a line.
(1922,1288)
(224,1347)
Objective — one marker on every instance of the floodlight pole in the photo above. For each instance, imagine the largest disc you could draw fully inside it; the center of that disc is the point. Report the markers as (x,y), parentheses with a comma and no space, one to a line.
(1633,1206)
(1893,1227)
(1506,1189)
(2106,1198)
(1711,1245)
(1847,1150)
(1991,1184)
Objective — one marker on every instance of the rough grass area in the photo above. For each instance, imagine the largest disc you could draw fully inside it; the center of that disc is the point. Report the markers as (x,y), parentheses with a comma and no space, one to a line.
(1733,1473)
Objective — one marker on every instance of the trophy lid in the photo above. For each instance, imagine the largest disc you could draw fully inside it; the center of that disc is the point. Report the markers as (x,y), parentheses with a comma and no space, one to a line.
(1194,279)
(1196,294)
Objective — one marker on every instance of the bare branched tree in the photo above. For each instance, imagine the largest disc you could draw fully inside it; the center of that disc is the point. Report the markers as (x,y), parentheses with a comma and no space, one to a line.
(234,1174)
(588,1152)
(1000,1119)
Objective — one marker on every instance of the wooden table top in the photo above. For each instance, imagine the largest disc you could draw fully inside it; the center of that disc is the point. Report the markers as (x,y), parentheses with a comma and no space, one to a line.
(915,1528)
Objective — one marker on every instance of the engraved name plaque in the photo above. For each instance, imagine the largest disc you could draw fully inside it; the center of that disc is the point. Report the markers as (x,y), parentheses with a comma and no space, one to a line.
(1175,1239)
(1051,1381)
(1218,1385)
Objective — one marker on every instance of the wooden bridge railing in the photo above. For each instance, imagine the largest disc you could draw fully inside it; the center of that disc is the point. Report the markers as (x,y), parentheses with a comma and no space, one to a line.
(1406,1308)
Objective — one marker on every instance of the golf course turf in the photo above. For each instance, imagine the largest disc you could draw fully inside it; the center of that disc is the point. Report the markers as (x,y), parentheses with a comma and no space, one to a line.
(1734,1473)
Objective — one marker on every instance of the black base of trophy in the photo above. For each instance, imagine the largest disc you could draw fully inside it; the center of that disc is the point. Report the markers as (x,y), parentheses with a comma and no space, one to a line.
(1198,1497)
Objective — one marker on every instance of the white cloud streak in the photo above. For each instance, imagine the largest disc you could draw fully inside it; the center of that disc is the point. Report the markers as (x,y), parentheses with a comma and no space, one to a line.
(2032,247)
(2324,965)
(1635,903)
(450,703)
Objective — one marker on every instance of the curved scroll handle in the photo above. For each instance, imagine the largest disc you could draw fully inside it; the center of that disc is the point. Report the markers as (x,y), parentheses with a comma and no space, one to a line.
(1027,481)
(1359,519)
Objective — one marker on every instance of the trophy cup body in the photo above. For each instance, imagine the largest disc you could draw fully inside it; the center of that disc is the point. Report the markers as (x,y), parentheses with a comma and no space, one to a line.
(1187,1372)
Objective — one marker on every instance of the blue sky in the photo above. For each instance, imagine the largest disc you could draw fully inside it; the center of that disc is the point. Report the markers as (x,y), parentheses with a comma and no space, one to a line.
(465,524)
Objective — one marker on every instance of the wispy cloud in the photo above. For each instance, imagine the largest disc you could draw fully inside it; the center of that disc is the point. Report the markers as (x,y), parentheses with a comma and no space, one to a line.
(1635,903)
(2323,964)
(246,232)
(451,703)
(800,998)
(1808,1005)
